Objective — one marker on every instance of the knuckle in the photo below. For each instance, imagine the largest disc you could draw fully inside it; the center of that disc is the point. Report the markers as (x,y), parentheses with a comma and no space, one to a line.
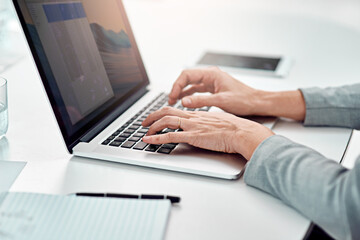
(170,136)
(185,74)
(167,109)
(167,119)
(221,98)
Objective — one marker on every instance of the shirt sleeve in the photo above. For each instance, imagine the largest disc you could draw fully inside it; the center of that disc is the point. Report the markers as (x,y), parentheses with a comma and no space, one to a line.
(319,188)
(334,106)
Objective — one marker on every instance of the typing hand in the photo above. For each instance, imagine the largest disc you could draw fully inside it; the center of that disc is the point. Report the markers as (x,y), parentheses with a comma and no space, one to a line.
(227,93)
(222,132)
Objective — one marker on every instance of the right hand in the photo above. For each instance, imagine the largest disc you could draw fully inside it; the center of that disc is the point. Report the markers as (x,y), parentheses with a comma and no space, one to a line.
(215,131)
(228,93)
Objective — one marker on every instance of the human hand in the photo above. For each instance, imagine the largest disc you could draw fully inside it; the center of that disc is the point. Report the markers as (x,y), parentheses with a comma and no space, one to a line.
(234,96)
(221,132)
(228,93)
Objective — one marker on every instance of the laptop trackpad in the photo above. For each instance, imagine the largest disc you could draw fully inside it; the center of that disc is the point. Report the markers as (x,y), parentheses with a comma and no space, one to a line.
(187,156)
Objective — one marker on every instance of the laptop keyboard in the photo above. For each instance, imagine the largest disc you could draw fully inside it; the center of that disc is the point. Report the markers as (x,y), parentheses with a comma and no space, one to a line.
(129,135)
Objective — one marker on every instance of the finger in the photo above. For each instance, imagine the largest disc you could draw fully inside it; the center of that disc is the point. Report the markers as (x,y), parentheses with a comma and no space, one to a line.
(166,111)
(194,89)
(171,137)
(168,122)
(200,101)
(190,76)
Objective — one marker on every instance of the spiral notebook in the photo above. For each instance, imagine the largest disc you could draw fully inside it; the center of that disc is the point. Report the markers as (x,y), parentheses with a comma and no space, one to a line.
(40,216)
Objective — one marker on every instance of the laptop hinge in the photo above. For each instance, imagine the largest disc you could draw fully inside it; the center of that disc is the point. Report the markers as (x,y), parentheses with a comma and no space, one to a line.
(93,132)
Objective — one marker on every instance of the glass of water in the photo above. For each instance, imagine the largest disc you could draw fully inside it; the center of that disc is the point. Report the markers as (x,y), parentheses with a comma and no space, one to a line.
(3,107)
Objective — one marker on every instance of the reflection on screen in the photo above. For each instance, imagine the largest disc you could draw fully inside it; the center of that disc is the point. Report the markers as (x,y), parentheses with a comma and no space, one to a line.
(91,58)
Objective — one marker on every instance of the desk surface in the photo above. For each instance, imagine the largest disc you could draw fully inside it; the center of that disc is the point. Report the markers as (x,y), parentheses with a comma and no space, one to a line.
(170,35)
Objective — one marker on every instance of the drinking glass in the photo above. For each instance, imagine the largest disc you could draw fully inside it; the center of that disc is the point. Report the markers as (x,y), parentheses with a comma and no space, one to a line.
(3,107)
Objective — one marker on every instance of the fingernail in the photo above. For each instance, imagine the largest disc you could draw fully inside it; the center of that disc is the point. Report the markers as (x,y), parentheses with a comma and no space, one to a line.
(146,138)
(186,101)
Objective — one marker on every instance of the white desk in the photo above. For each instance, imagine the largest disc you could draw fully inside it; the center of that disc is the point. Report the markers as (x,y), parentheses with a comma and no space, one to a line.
(171,34)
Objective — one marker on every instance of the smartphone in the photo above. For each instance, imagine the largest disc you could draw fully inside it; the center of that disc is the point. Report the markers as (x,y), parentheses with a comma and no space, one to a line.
(270,66)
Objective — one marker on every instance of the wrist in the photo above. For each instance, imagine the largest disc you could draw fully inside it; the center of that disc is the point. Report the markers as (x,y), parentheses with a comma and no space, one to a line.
(263,103)
(288,104)
(250,137)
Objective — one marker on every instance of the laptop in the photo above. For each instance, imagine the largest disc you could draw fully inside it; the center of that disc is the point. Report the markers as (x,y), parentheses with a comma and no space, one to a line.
(99,91)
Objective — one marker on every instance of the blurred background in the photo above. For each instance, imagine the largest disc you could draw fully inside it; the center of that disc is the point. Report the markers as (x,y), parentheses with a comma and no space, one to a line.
(10,36)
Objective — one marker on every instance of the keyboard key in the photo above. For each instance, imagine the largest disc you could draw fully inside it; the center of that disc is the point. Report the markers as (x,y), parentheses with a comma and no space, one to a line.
(164,150)
(135,139)
(143,130)
(116,133)
(115,144)
(131,131)
(140,145)
(128,144)
(139,134)
(169,145)
(126,135)
(121,129)
(152,148)
(169,130)
(135,127)
(120,139)
(106,142)
(111,137)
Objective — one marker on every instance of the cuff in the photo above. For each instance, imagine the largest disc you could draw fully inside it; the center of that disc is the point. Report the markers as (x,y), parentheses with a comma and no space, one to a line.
(260,164)
(314,102)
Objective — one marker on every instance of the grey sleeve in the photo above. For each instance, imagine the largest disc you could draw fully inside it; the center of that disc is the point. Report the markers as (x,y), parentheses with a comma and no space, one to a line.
(319,188)
(334,106)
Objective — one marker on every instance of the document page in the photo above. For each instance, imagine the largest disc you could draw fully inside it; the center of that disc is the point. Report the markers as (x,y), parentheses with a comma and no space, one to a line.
(33,216)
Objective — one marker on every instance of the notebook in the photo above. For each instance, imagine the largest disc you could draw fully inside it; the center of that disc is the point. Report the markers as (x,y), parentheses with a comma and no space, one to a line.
(32,216)
(99,90)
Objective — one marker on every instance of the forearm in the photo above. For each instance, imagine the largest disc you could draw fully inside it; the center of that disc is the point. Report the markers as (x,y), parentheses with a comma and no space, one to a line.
(334,106)
(319,188)
(288,104)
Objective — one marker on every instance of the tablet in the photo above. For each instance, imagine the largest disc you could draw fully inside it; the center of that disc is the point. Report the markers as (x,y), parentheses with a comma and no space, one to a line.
(276,66)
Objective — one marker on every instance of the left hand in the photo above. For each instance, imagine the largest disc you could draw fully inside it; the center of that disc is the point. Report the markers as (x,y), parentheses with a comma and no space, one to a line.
(221,132)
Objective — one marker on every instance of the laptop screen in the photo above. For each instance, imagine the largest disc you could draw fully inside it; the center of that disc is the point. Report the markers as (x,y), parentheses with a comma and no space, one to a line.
(86,55)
